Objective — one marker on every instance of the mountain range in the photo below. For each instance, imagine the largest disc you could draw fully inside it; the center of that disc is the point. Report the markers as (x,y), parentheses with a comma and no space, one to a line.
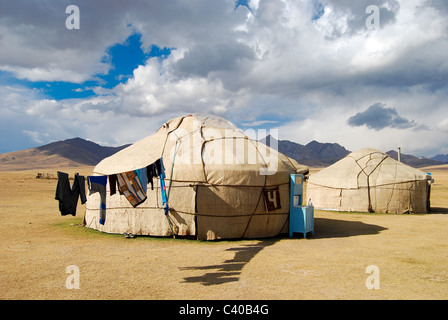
(415,161)
(67,153)
(79,152)
(441,157)
(313,154)
(316,154)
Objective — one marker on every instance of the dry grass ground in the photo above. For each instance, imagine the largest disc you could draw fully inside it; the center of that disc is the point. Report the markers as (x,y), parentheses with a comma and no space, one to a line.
(37,244)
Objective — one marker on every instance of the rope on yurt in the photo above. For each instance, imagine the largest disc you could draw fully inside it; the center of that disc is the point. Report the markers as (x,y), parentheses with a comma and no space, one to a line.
(259,197)
(173,131)
(89,223)
(169,223)
(171,182)
(172,166)
(369,198)
(256,206)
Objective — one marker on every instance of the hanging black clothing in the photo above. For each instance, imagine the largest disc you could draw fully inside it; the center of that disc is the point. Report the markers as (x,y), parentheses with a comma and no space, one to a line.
(68,197)
(113,184)
(153,171)
(98,184)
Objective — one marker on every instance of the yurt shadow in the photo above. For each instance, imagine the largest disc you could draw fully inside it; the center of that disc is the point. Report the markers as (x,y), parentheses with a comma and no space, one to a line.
(333,228)
(438,210)
(228,270)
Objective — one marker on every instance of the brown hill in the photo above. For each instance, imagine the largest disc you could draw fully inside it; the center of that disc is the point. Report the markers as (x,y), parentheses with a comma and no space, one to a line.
(441,157)
(74,152)
(413,161)
(313,154)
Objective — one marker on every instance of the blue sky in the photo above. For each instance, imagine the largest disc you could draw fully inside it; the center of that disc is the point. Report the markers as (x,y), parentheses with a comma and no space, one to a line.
(310,69)
(123,58)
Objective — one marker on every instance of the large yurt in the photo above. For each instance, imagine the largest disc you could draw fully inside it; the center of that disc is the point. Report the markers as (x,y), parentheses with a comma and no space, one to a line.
(369,180)
(216,183)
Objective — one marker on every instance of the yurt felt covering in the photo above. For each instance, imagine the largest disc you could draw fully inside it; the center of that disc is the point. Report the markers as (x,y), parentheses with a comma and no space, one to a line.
(369,180)
(216,181)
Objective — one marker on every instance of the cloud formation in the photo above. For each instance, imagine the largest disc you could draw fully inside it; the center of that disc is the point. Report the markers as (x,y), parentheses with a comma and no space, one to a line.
(305,65)
(378,117)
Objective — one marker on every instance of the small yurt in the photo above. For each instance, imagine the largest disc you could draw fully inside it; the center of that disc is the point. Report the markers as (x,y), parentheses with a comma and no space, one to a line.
(199,176)
(369,180)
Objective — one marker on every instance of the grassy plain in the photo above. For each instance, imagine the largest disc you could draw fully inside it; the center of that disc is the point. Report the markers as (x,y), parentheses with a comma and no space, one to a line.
(38,244)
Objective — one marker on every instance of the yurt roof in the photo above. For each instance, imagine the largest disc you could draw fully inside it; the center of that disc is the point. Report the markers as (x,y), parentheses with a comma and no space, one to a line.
(192,142)
(352,171)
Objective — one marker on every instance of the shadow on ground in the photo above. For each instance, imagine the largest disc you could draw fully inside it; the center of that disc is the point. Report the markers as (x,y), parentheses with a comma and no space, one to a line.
(438,210)
(230,270)
(331,228)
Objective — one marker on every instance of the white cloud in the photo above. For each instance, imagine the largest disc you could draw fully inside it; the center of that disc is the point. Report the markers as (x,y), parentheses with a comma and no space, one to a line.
(31,120)
(258,123)
(274,63)
(40,47)
(36,136)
